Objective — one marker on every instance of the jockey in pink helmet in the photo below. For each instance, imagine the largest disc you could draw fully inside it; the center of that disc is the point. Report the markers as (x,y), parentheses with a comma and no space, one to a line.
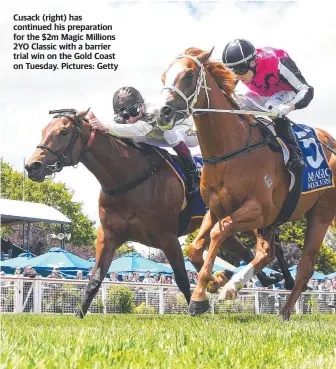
(141,122)
(274,82)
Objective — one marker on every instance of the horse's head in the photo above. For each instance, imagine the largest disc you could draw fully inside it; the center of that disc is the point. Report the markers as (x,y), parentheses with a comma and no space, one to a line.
(185,85)
(59,146)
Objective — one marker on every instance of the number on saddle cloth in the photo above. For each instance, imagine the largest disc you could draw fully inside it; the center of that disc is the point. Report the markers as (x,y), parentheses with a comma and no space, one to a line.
(317,175)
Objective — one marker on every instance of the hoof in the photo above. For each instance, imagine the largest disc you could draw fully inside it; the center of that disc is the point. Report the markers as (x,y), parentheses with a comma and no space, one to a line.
(79,314)
(198,307)
(227,294)
(284,314)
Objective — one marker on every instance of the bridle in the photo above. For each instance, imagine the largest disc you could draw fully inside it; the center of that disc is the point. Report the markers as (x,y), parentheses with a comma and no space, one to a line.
(153,168)
(192,99)
(190,103)
(77,122)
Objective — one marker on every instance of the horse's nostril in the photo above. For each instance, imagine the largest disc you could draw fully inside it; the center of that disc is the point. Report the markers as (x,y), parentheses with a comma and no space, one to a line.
(166,111)
(35,167)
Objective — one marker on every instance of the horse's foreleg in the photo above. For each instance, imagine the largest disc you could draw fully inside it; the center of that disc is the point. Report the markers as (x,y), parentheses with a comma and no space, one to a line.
(262,258)
(318,221)
(221,230)
(246,217)
(107,243)
(201,241)
(171,247)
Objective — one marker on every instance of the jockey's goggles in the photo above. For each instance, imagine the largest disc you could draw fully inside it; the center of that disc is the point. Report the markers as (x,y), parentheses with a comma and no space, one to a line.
(130,111)
(241,69)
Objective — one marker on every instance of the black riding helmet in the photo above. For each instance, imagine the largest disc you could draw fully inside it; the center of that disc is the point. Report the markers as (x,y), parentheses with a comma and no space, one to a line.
(238,55)
(127,102)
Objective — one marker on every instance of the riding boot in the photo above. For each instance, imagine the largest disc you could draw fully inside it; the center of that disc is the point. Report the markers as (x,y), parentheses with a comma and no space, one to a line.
(184,153)
(284,129)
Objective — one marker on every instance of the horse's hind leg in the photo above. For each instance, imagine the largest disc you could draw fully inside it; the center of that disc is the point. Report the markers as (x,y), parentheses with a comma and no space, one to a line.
(263,256)
(236,248)
(231,245)
(107,243)
(289,281)
(318,220)
(201,241)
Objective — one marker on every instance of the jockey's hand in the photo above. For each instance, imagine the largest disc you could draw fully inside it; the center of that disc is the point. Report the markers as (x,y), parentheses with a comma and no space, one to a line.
(282,109)
(152,119)
(96,124)
(119,119)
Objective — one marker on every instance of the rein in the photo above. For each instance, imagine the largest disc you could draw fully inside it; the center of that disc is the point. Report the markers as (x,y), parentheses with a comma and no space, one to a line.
(201,83)
(153,169)
(77,122)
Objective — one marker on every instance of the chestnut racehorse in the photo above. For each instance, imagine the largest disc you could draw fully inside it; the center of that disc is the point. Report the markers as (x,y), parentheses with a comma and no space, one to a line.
(235,187)
(140,200)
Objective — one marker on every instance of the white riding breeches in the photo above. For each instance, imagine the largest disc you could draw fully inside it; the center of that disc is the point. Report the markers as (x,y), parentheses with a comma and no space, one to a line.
(181,133)
(171,138)
(248,99)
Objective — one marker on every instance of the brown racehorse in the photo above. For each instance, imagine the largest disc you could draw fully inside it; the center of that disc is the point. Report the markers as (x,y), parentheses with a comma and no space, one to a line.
(235,190)
(141,197)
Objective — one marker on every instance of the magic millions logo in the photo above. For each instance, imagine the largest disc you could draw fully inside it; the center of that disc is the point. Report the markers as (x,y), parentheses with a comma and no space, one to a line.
(319,178)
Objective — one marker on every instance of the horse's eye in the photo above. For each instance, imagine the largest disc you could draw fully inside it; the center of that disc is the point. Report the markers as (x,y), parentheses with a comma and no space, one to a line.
(190,74)
(64,132)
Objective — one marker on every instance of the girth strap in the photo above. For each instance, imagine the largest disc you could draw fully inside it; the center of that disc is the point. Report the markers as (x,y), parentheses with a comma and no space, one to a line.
(235,153)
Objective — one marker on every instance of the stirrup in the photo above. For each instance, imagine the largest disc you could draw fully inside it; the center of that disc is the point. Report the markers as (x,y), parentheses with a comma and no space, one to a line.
(193,181)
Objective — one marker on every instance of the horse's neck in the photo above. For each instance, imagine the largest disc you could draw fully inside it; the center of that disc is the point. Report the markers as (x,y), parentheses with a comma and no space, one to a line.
(219,133)
(112,162)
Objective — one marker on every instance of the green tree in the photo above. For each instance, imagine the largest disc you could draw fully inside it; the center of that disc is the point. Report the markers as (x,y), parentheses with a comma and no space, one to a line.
(125,248)
(292,236)
(56,195)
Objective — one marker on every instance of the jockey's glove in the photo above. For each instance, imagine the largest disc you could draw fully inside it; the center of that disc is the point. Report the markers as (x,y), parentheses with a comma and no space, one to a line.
(282,109)
(151,119)
(119,119)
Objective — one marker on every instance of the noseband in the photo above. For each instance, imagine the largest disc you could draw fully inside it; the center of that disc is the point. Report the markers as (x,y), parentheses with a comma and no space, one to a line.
(192,99)
(77,122)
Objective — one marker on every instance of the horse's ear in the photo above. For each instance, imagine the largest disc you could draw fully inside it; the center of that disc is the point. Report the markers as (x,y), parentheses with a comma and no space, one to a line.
(82,114)
(205,56)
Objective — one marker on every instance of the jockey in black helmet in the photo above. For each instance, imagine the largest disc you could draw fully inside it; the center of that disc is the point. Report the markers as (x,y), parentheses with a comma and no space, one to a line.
(274,83)
(141,122)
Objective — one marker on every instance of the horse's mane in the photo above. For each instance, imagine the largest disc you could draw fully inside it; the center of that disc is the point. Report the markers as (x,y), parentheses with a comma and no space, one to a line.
(223,76)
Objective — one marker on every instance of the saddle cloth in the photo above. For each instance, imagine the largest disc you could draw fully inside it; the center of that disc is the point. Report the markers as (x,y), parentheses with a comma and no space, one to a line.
(318,175)
(193,206)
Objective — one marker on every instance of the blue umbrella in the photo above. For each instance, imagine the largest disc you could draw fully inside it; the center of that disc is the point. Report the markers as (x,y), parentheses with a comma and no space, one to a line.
(189,266)
(316,275)
(134,262)
(56,256)
(9,265)
(331,275)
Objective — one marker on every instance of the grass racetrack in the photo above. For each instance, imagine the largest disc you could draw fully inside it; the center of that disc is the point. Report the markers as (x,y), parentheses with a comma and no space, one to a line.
(170,341)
